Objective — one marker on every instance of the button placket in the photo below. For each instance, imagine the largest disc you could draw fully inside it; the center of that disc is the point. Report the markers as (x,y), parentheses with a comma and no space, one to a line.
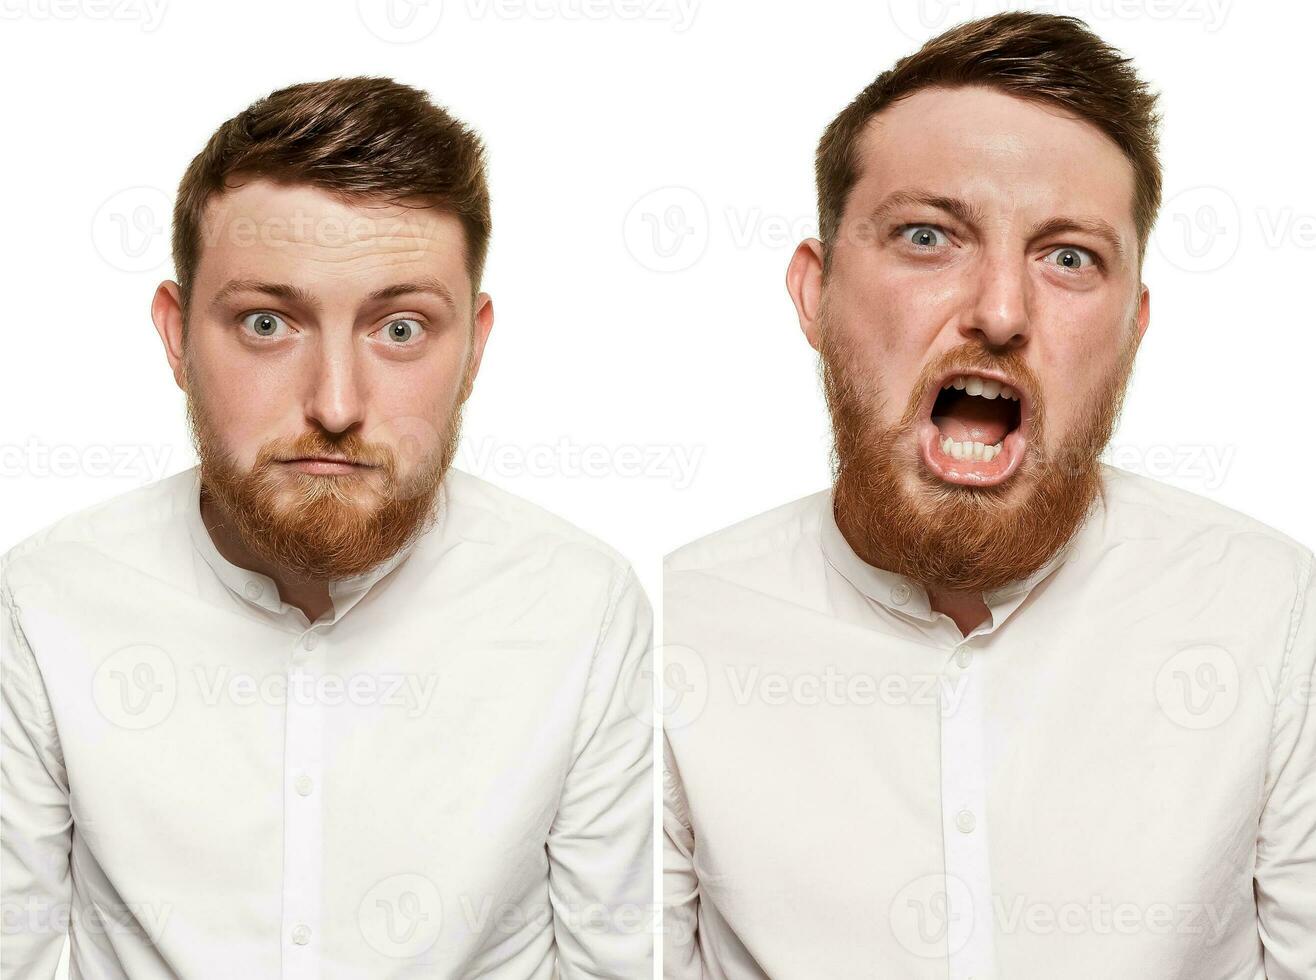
(963,799)
(303,816)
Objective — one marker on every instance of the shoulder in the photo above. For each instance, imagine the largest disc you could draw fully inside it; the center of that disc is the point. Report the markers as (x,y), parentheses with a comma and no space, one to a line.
(1180,519)
(521,530)
(765,538)
(114,530)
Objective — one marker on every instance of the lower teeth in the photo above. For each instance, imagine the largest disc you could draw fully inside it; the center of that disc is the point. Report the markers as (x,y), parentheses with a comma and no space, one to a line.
(971,450)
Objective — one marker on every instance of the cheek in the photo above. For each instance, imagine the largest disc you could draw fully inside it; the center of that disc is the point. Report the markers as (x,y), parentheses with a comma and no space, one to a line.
(240,411)
(412,407)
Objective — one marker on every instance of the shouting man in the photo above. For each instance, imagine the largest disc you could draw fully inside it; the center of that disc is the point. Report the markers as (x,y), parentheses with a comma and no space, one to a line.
(323,706)
(988,707)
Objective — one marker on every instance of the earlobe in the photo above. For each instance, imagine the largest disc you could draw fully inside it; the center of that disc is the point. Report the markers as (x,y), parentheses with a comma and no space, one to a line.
(804,283)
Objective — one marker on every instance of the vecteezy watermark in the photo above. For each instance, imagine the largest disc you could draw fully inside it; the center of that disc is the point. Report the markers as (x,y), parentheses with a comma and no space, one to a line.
(669,463)
(679,14)
(683,688)
(1298,689)
(1207,465)
(753,226)
(666,230)
(130,228)
(836,688)
(1198,687)
(147,13)
(135,687)
(401,916)
(1199,230)
(33,915)
(137,461)
(413,693)
(1101,916)
(932,916)
(400,21)
(408,21)
(1202,228)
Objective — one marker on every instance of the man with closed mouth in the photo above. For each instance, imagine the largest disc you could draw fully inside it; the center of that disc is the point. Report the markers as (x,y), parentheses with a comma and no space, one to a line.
(324,705)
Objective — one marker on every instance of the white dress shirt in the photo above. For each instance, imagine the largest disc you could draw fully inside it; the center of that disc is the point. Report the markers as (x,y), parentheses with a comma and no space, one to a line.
(1114,776)
(446,776)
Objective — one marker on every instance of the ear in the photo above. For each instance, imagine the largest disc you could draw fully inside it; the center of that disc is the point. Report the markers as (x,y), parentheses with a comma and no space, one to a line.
(484,321)
(1144,312)
(804,283)
(167,314)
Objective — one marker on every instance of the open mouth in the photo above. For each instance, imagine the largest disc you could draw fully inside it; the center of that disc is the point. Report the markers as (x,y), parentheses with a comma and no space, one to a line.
(974,432)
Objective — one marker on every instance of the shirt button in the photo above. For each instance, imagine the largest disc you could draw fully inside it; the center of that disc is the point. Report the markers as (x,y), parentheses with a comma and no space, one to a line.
(964,657)
(301,935)
(310,640)
(303,785)
(900,594)
(254,590)
(965,821)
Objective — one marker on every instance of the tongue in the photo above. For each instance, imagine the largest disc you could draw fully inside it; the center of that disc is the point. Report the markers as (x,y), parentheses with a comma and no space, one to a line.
(973,420)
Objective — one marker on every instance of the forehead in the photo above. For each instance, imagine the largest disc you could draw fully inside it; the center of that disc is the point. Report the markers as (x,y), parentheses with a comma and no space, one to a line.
(304,234)
(998,151)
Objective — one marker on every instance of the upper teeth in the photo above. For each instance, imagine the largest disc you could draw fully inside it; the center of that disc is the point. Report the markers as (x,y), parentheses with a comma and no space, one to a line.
(983,387)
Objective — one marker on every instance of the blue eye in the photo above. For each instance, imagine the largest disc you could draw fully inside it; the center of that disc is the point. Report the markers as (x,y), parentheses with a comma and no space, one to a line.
(401,332)
(925,236)
(265,324)
(1073,258)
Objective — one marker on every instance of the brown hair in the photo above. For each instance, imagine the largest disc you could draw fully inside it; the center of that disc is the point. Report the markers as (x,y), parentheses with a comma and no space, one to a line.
(1045,58)
(358,137)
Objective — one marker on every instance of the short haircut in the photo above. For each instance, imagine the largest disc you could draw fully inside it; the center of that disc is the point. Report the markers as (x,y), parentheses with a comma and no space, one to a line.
(361,138)
(1045,58)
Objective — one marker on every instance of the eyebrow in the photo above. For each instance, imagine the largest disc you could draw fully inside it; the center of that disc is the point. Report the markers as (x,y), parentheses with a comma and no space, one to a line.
(971,215)
(303,297)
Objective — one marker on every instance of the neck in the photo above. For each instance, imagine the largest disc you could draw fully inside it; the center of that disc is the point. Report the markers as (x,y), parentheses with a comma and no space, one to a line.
(967,609)
(312,598)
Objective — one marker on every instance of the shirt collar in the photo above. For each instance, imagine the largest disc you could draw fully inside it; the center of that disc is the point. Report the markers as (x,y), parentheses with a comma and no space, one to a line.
(908,597)
(260,590)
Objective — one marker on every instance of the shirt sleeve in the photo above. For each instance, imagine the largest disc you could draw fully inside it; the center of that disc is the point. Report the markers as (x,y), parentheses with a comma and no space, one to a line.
(35,820)
(1286,844)
(681,960)
(600,847)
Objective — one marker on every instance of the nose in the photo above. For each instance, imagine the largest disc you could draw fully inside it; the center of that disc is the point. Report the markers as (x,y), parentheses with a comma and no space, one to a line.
(999,319)
(336,401)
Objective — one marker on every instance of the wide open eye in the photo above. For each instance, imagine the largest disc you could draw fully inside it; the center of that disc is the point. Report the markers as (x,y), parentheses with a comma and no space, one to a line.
(1072,258)
(924,236)
(265,324)
(402,332)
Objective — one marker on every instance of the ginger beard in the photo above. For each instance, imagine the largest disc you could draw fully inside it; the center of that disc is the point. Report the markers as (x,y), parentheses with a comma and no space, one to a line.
(321,528)
(898,516)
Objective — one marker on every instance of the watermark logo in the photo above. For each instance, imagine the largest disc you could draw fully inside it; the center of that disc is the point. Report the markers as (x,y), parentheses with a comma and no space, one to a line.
(130,229)
(1200,229)
(401,916)
(135,687)
(666,230)
(400,21)
(1198,687)
(918,20)
(932,916)
(683,693)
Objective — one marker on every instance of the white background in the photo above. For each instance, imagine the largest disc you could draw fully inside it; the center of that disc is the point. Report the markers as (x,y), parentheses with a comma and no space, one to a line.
(606,119)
